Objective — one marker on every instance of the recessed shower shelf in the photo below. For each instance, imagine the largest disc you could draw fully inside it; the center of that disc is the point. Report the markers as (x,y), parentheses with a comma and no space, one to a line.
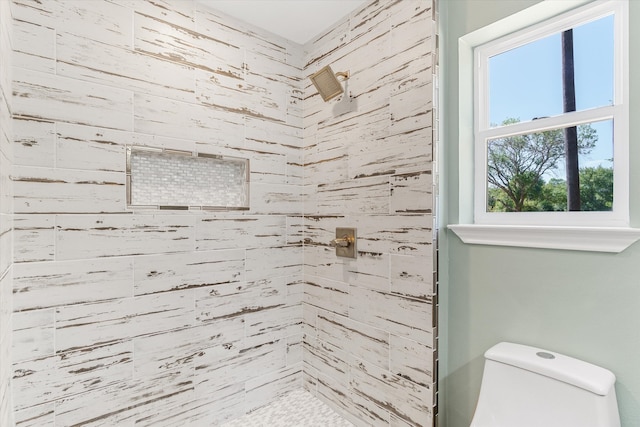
(180,180)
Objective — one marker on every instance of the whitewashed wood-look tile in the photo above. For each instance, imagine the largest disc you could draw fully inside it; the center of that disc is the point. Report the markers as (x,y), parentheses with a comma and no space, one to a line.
(34,142)
(295,230)
(321,229)
(270,99)
(359,340)
(374,68)
(215,372)
(187,47)
(396,314)
(326,359)
(6,242)
(404,398)
(412,193)
(366,19)
(354,197)
(417,10)
(411,360)
(40,190)
(396,421)
(331,40)
(181,349)
(295,290)
(50,97)
(414,68)
(395,154)
(46,284)
(366,124)
(236,299)
(370,270)
(412,110)
(228,29)
(83,59)
(231,30)
(273,137)
(36,416)
(171,272)
(395,234)
(128,403)
(34,238)
(276,199)
(33,334)
(228,231)
(34,46)
(90,148)
(223,91)
(170,118)
(87,325)
(181,13)
(309,378)
(102,21)
(51,378)
(309,320)
(412,276)
(327,294)
(212,407)
(277,323)
(267,167)
(272,386)
(294,349)
(333,164)
(94,236)
(90,369)
(265,263)
(355,408)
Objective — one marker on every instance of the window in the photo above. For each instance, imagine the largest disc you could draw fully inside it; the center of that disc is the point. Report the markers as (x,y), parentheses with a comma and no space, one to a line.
(549,101)
(523,113)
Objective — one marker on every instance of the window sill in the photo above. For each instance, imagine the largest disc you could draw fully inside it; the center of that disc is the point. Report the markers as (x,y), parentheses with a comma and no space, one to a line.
(594,239)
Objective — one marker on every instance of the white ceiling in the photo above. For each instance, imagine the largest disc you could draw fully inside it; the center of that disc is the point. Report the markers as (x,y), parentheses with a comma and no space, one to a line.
(296,20)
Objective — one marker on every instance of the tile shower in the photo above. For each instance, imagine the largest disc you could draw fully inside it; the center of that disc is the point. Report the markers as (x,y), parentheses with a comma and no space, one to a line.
(116,316)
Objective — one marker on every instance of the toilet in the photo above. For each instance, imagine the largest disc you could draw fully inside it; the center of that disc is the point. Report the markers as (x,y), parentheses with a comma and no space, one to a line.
(529,387)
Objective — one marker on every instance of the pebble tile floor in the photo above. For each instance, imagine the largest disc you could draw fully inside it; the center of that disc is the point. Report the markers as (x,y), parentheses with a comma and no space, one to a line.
(297,409)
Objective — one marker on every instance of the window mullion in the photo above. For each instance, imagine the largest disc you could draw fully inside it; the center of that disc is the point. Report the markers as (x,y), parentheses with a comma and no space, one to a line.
(548,123)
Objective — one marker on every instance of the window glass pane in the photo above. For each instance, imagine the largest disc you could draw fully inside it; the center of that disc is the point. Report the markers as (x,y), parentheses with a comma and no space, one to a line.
(527,173)
(525,83)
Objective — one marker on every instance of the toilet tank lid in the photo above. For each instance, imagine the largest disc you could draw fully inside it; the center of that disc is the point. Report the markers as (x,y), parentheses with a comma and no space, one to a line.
(550,364)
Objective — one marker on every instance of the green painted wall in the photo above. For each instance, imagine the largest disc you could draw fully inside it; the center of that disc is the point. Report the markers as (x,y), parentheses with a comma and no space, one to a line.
(583,304)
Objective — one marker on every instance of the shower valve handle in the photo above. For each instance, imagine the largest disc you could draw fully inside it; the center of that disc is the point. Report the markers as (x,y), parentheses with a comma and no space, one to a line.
(343,241)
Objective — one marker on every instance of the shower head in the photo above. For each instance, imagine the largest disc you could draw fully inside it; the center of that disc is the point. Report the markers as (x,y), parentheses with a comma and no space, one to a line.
(327,83)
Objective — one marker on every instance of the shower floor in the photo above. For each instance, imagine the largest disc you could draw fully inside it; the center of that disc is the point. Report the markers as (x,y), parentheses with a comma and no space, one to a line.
(297,409)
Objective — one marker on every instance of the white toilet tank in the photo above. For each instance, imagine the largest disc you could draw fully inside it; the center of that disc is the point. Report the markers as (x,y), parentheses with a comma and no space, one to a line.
(529,387)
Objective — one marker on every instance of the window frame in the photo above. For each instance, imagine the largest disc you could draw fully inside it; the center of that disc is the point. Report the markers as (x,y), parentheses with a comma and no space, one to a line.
(578,237)
(618,113)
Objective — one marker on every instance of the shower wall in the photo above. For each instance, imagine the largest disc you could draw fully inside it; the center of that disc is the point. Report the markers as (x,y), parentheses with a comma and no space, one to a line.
(148,317)
(369,333)
(6,414)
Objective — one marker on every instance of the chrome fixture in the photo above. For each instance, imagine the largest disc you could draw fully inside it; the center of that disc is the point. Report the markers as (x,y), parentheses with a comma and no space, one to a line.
(345,242)
(327,83)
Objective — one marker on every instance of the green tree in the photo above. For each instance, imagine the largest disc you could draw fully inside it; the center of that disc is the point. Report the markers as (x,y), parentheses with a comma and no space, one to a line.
(516,164)
(596,189)
(554,196)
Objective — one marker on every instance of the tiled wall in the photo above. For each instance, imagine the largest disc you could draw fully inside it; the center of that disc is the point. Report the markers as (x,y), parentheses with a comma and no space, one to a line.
(6,413)
(369,333)
(159,318)
(150,317)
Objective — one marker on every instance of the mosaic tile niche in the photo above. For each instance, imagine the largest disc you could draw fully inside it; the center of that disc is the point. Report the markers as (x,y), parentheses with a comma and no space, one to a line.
(169,179)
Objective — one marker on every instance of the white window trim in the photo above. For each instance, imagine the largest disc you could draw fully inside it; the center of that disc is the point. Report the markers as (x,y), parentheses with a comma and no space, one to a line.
(590,231)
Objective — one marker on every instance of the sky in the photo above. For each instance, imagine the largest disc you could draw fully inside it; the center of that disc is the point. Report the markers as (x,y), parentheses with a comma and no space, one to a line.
(526,82)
